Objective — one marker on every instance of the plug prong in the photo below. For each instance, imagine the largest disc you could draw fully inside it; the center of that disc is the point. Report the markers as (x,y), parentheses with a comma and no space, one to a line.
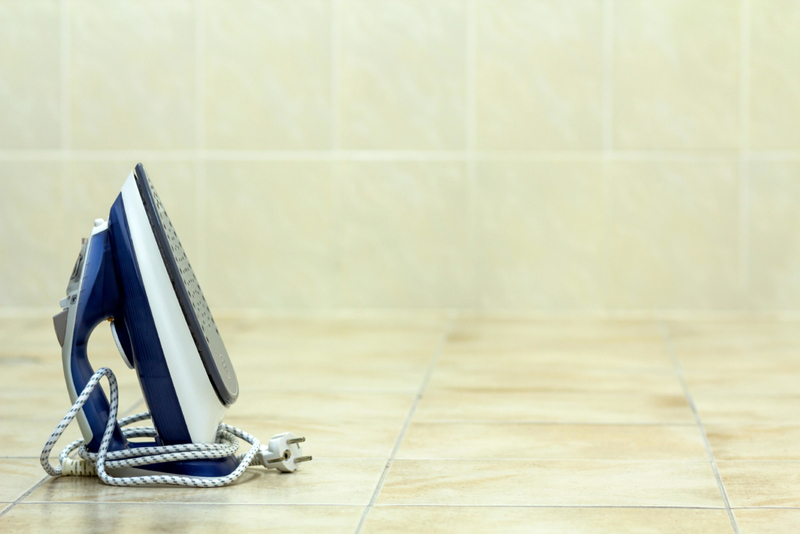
(295,440)
(302,459)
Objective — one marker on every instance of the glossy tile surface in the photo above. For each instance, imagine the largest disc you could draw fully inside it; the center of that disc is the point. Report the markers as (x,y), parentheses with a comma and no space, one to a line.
(554,483)
(544,521)
(540,424)
(134,518)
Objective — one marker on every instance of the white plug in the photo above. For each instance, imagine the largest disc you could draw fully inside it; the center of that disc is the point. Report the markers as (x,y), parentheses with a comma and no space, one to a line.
(283,453)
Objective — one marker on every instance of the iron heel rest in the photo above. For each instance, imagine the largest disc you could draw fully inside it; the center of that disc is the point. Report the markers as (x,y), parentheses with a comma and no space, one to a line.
(133,272)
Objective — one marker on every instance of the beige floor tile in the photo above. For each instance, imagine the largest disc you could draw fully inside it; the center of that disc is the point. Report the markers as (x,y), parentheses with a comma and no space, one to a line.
(766,378)
(135,518)
(327,438)
(335,334)
(389,519)
(737,343)
(557,483)
(768,521)
(754,442)
(26,436)
(730,409)
(501,374)
(552,442)
(514,331)
(568,407)
(761,483)
(17,476)
(331,406)
(324,481)
(530,342)
(293,370)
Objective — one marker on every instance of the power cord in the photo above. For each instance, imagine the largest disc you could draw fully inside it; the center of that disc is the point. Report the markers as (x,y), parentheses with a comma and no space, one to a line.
(283,452)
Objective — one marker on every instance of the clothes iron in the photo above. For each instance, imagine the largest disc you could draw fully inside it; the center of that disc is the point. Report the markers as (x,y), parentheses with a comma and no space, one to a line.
(134,273)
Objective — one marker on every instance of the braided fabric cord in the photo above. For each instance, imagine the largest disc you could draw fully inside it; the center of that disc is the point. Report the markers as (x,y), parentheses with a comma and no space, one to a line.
(226,445)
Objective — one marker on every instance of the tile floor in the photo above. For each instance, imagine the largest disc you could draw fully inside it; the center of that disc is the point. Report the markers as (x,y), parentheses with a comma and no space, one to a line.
(453,423)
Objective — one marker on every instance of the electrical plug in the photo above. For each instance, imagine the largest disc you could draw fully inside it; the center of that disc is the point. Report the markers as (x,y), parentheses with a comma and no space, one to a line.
(283,453)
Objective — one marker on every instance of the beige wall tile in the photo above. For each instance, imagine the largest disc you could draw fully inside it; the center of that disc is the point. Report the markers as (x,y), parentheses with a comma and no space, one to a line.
(132,74)
(30,74)
(34,268)
(774,245)
(403,74)
(767,521)
(268,75)
(405,235)
(552,442)
(199,518)
(611,483)
(541,235)
(676,74)
(761,483)
(466,520)
(539,74)
(269,234)
(774,74)
(673,236)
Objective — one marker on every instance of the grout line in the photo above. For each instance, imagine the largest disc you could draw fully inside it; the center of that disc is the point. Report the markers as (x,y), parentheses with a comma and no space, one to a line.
(336,66)
(66,41)
(608,76)
(693,406)
(445,335)
(533,314)
(337,221)
(200,75)
(471,140)
(403,505)
(23,496)
(471,77)
(576,506)
(392,155)
(325,459)
(744,77)
(744,149)
(200,136)
(608,145)
(544,423)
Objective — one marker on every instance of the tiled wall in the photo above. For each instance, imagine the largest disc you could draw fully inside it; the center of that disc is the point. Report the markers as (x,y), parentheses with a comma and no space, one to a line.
(492,154)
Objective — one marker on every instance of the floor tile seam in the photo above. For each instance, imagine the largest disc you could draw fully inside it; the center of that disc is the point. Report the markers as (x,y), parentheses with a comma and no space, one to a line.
(396,505)
(704,461)
(553,506)
(448,328)
(695,412)
(549,423)
(183,503)
(23,496)
(326,459)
